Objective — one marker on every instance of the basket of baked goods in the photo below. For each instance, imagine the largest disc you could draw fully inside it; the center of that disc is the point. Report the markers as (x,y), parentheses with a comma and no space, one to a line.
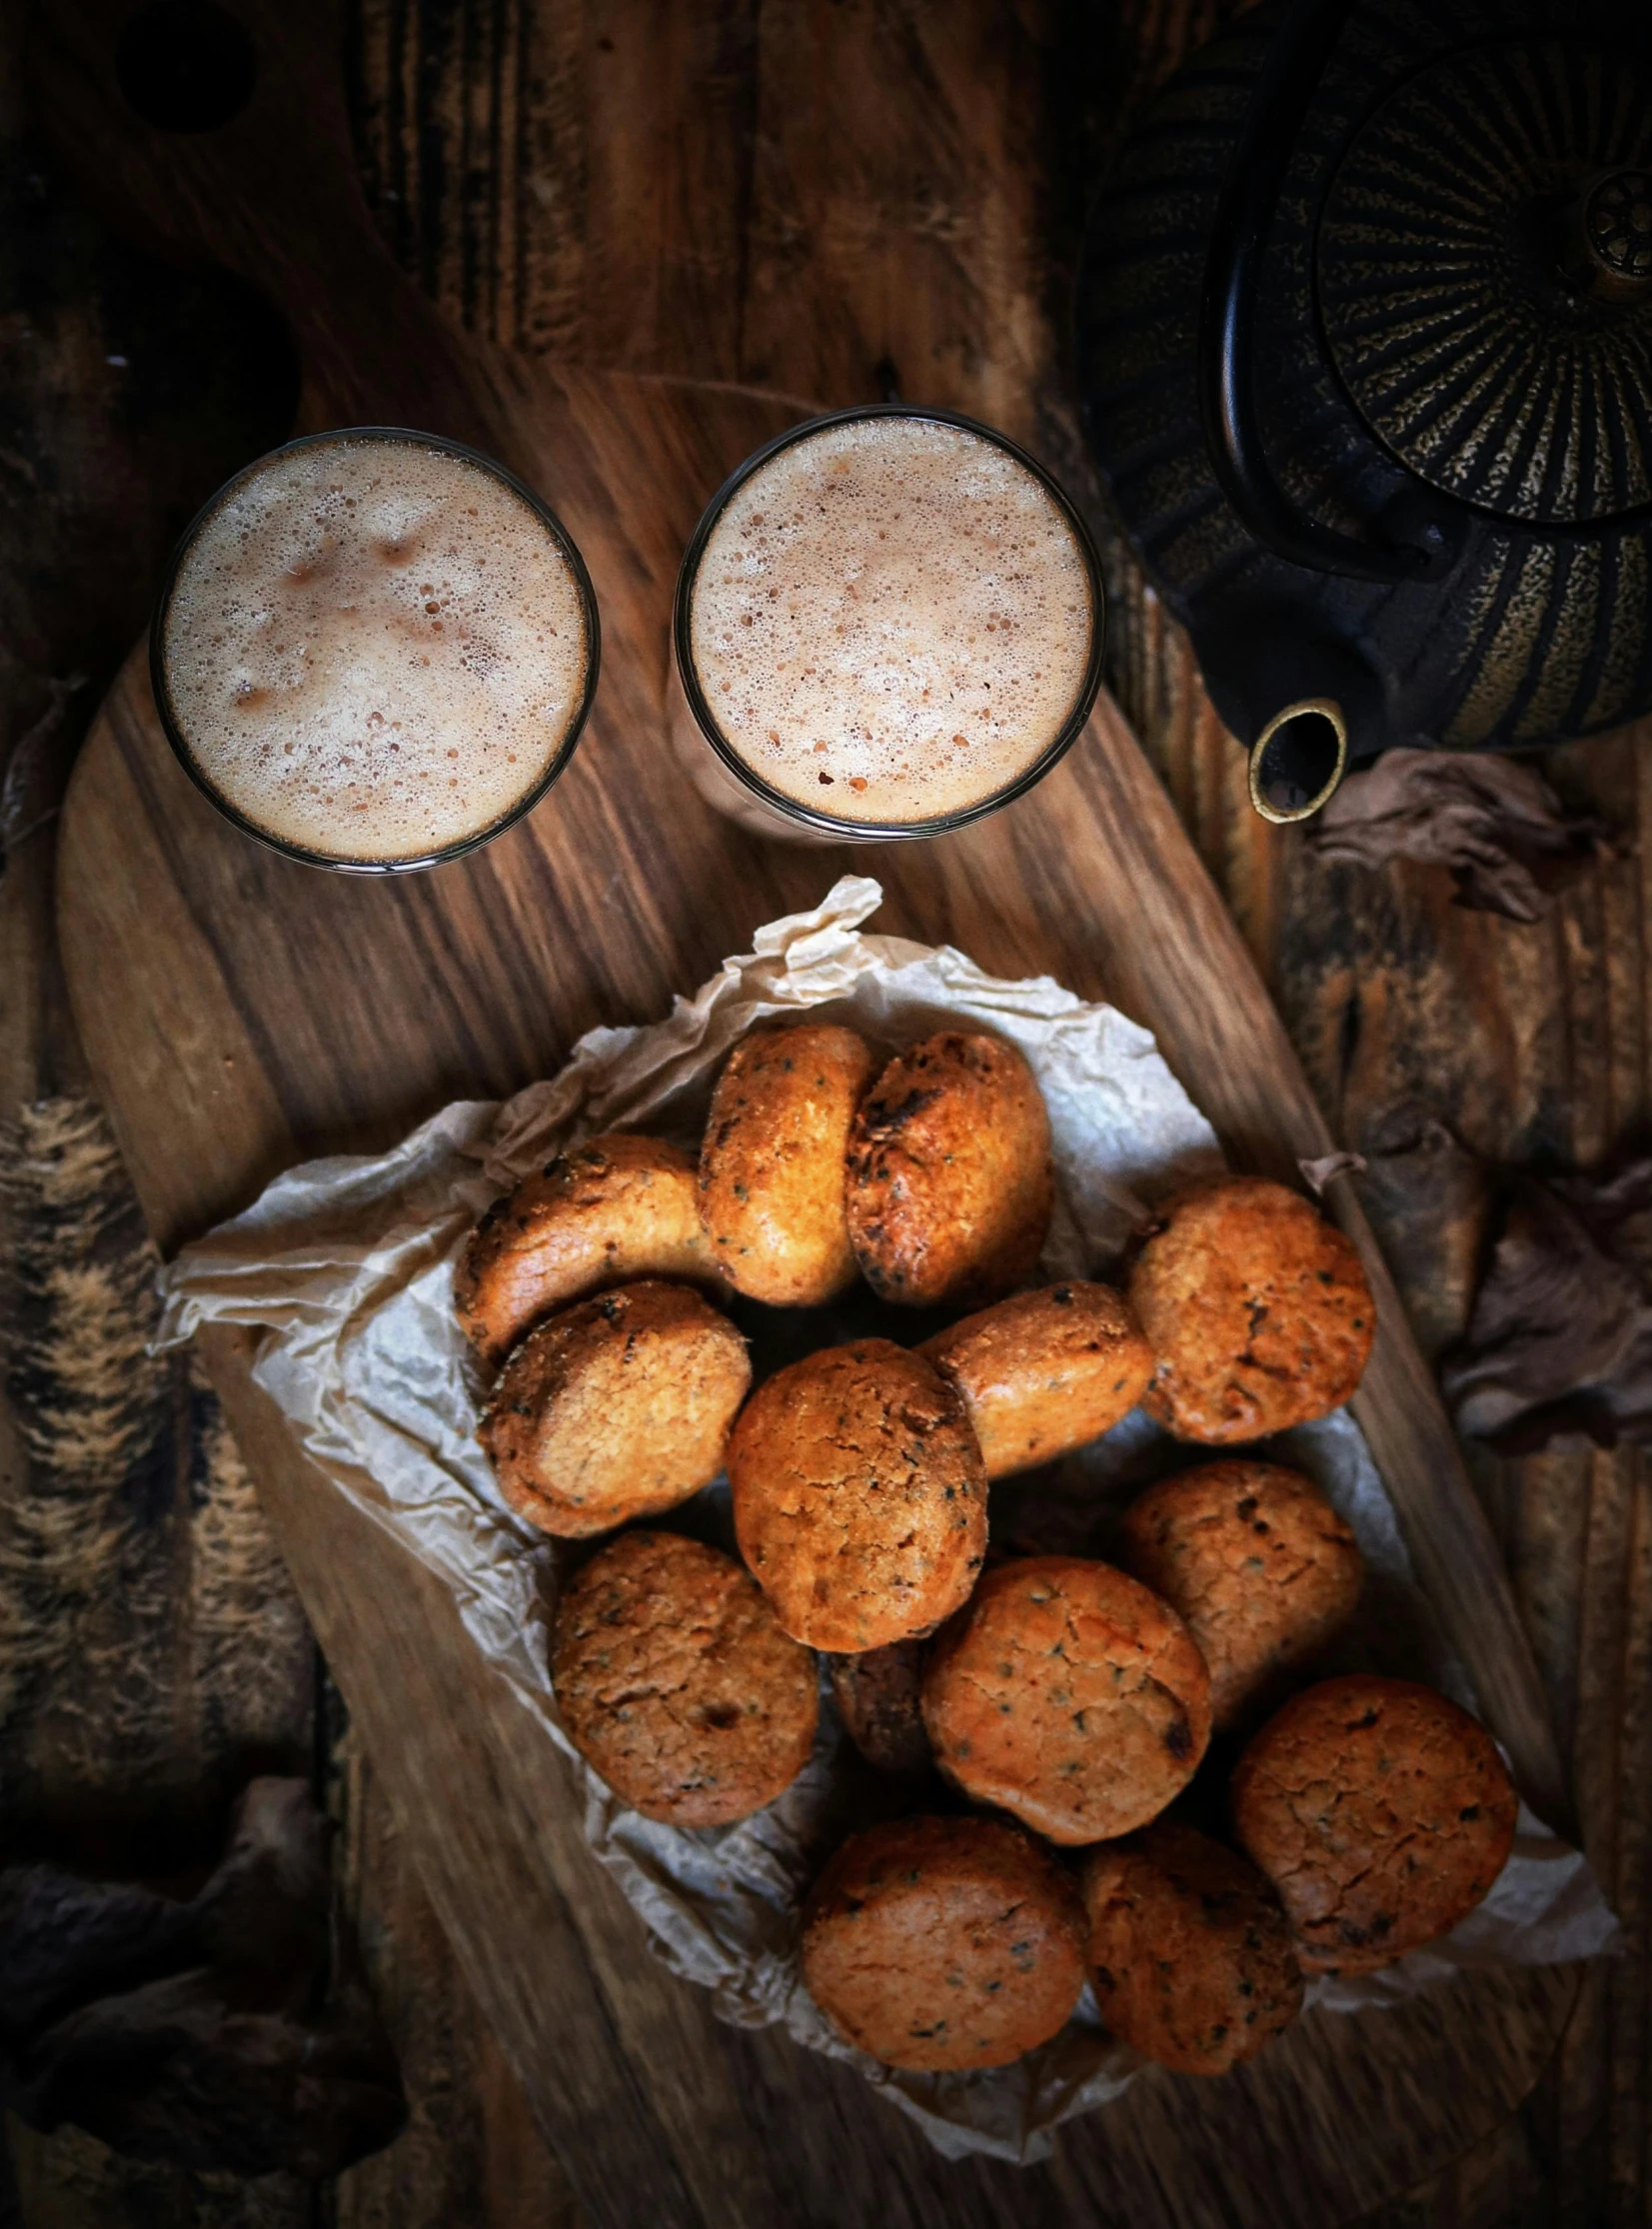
(909,1479)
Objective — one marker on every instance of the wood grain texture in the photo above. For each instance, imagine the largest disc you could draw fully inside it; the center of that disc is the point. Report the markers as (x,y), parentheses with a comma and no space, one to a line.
(901,318)
(471,2152)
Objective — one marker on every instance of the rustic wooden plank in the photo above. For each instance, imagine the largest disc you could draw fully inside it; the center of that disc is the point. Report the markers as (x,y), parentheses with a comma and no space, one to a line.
(665,185)
(471,2152)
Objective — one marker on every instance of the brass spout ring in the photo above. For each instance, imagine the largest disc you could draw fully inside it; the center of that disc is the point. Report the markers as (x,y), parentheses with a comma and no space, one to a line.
(1323,707)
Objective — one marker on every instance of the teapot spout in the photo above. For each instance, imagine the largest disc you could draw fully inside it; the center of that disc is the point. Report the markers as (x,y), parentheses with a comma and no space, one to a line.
(1298,760)
(1303,703)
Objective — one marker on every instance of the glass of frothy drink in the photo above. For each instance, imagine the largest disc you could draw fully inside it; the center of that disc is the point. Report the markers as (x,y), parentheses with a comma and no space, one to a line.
(375,650)
(888,624)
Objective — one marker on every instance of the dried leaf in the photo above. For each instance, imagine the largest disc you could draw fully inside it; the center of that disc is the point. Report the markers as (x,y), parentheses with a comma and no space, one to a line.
(1560,1339)
(1493,821)
(1429,1201)
(227,2032)
(64,1940)
(1325,1166)
(38,768)
(173,2072)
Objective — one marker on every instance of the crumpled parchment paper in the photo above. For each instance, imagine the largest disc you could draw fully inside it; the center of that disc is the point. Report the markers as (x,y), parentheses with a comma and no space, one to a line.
(346,1265)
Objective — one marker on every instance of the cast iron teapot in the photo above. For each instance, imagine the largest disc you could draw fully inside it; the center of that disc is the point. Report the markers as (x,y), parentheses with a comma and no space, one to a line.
(1366,339)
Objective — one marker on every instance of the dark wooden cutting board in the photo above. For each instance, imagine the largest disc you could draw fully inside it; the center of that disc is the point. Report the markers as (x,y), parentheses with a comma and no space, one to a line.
(241,1012)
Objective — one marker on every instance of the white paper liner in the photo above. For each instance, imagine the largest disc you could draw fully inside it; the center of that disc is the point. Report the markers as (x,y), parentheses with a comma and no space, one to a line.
(346,1265)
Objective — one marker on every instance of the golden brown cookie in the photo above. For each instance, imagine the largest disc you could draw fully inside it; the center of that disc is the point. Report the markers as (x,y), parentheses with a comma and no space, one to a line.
(618,1407)
(950,1181)
(1190,1954)
(1043,1372)
(859,1497)
(677,1684)
(1067,1694)
(606,1213)
(1258,1309)
(1380,1813)
(1256,1562)
(771,1164)
(943,1942)
(880,1698)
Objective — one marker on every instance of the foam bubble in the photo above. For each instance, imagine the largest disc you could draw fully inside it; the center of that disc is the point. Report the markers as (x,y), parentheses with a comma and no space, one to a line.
(892,619)
(375,648)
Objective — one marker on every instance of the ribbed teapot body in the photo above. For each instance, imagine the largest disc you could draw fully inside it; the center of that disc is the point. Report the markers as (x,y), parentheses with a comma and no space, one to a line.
(1418,328)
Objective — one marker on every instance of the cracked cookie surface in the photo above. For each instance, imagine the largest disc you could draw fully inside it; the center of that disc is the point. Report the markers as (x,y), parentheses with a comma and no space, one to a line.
(1189,1953)
(1045,1372)
(1070,1695)
(938,1943)
(610,1212)
(618,1407)
(949,1180)
(859,1496)
(772,1165)
(676,1684)
(1257,1309)
(1380,1813)
(1255,1561)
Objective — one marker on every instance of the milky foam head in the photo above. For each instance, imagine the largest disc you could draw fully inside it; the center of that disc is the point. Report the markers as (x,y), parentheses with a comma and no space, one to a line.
(892,619)
(374,648)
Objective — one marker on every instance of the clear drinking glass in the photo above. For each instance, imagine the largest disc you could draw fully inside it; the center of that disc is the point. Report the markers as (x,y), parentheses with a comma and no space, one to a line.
(713,759)
(392,634)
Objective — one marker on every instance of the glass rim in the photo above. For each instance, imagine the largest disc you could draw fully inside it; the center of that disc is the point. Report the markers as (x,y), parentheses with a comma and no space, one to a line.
(172,727)
(943,823)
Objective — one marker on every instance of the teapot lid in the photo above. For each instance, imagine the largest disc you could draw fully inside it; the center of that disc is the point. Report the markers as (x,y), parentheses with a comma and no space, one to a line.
(1484,279)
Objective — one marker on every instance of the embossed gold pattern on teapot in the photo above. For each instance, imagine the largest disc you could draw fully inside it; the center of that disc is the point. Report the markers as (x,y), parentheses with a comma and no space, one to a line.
(1365,335)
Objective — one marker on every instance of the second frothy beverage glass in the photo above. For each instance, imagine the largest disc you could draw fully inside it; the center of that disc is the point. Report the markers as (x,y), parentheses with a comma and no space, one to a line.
(888,624)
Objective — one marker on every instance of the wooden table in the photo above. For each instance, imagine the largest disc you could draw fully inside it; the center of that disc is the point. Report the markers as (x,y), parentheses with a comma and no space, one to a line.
(794,177)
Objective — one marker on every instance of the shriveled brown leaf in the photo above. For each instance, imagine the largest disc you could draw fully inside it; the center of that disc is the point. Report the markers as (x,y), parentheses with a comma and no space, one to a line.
(1323,1168)
(229,2032)
(172,2071)
(1494,822)
(1429,1200)
(1560,1339)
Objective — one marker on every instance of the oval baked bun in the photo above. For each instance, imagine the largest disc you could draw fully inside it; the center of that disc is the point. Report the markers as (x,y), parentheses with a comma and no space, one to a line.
(619,1407)
(1191,1957)
(772,1165)
(949,1180)
(1257,1309)
(676,1684)
(939,1943)
(860,1496)
(1068,1695)
(609,1212)
(1045,1372)
(1380,1813)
